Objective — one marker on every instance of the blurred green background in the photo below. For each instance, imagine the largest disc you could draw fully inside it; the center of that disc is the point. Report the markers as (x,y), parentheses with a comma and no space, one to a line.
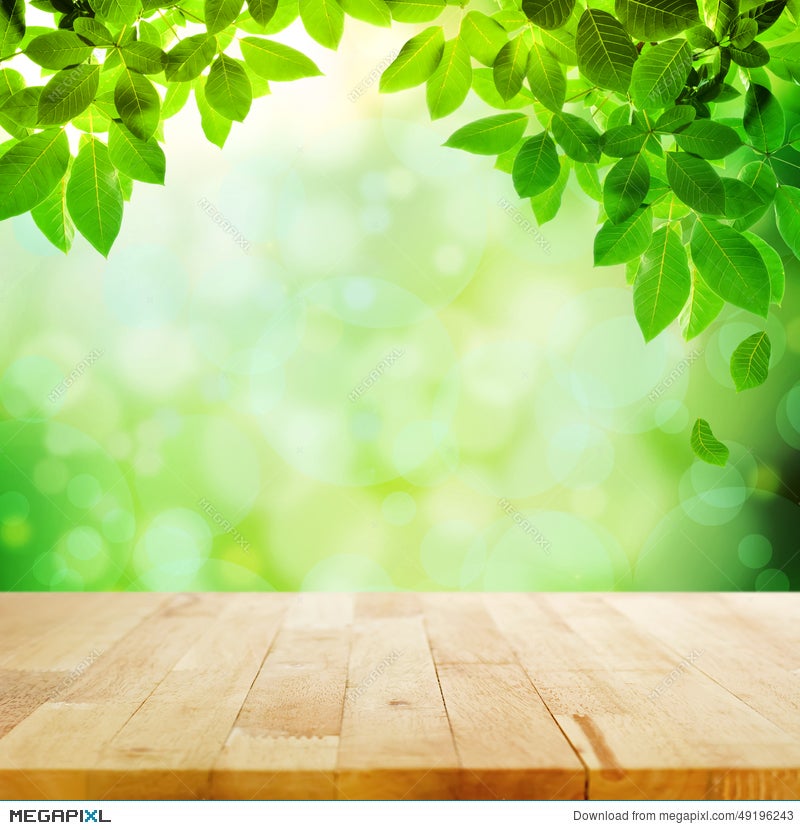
(337,356)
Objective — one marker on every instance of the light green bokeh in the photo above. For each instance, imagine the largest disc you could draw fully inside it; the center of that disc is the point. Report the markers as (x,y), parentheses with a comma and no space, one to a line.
(395,384)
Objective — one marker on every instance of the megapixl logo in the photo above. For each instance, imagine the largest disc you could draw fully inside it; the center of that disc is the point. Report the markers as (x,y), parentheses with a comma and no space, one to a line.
(58,816)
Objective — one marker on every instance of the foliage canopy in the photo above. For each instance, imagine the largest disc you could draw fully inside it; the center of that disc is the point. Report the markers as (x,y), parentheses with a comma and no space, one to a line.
(668,114)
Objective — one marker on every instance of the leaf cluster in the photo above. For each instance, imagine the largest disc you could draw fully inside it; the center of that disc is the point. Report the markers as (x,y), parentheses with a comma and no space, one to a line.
(666,114)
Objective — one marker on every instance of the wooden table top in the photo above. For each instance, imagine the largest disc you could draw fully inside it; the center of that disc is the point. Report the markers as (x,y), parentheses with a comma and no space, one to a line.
(557,696)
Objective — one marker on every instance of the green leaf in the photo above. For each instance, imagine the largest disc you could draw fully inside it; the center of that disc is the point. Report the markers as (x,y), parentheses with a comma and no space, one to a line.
(276,62)
(701,37)
(708,139)
(191,56)
(743,32)
(490,136)
(23,107)
(719,15)
(547,203)
(787,212)
(660,74)
(703,308)
(118,12)
(416,62)
(30,170)
(416,11)
(561,44)
(141,160)
(262,11)
(547,78)
(759,176)
(549,14)
(766,14)
(577,137)
(137,103)
(287,12)
(483,36)
(606,54)
(662,283)
(675,118)
(706,446)
(323,20)
(126,186)
(451,80)
(653,20)
(483,85)
(216,127)
(536,166)
(620,116)
(731,265)
(740,199)
(375,12)
(219,14)
(150,33)
(68,93)
(625,188)
(617,244)
(143,57)
(764,120)
(94,197)
(55,50)
(785,62)
(587,178)
(774,263)
(751,56)
(175,98)
(52,219)
(750,361)
(696,183)
(10,82)
(228,88)
(510,67)
(12,25)
(622,141)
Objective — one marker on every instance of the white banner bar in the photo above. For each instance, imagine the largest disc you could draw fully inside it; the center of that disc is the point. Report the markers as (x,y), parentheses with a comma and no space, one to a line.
(383,815)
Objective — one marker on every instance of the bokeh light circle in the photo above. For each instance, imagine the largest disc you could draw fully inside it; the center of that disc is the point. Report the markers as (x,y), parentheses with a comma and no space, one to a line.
(347,572)
(552,551)
(453,554)
(755,551)
(399,508)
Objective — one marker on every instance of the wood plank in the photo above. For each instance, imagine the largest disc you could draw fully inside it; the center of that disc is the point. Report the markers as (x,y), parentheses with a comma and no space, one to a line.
(399,695)
(396,740)
(72,640)
(286,738)
(460,630)
(508,743)
(319,611)
(51,752)
(381,606)
(133,668)
(637,743)
(774,616)
(735,650)
(22,692)
(169,745)
(28,619)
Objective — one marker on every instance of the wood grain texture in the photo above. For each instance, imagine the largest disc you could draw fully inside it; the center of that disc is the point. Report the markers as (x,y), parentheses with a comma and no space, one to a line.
(647,721)
(343,696)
